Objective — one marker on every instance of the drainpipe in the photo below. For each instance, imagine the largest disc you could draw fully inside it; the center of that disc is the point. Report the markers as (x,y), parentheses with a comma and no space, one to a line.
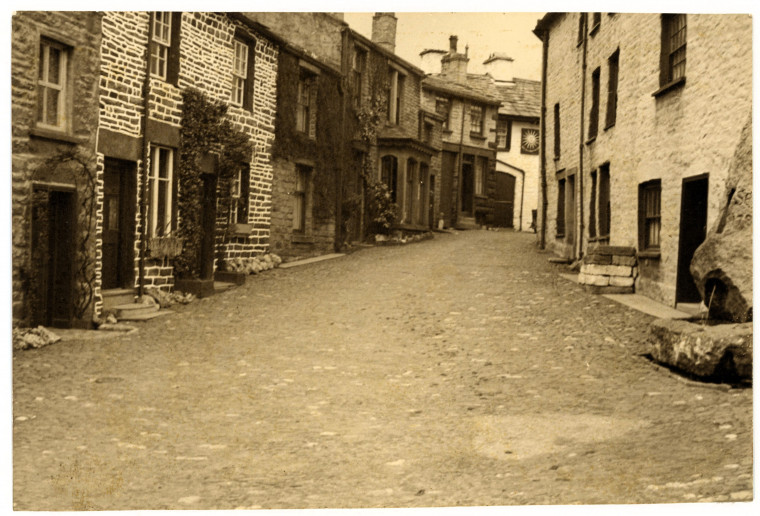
(145,160)
(542,147)
(582,142)
(522,197)
(343,84)
(459,169)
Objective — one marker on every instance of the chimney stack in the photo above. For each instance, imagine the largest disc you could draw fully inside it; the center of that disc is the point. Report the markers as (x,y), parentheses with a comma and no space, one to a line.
(384,31)
(499,66)
(454,64)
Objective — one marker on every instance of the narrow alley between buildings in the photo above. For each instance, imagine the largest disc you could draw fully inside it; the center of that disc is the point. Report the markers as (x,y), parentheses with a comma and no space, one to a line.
(458,371)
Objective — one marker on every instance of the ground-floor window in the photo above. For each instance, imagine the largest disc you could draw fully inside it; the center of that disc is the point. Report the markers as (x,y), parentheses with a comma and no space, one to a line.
(161,219)
(649,215)
(389,174)
(300,197)
(239,195)
(604,201)
(561,208)
(411,173)
(481,165)
(592,207)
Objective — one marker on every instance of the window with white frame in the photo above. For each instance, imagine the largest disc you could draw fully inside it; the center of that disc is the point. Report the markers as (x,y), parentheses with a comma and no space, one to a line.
(239,72)
(481,164)
(162,40)
(160,192)
(51,85)
(239,195)
(395,94)
(476,120)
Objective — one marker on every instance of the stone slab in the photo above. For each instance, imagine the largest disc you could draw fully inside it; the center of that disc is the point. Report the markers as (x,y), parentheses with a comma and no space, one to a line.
(620,281)
(624,260)
(306,261)
(599,259)
(722,351)
(606,270)
(593,279)
(613,250)
(648,306)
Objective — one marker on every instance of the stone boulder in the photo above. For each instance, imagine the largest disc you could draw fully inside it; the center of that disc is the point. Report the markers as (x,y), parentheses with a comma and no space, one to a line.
(719,352)
(722,265)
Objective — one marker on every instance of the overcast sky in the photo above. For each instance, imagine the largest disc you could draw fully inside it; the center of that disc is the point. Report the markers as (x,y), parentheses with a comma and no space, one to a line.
(509,33)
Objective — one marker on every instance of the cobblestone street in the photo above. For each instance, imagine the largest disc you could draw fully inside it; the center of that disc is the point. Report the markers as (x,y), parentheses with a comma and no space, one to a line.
(458,371)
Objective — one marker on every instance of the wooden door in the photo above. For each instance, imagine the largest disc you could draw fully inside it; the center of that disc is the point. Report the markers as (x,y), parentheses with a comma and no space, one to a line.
(119,205)
(504,201)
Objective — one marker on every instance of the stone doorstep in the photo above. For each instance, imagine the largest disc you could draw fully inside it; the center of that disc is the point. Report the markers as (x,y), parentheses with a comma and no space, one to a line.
(306,261)
(607,289)
(647,305)
(607,270)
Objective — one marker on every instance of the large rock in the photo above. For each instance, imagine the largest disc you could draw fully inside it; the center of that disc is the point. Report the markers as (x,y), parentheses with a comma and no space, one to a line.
(722,265)
(720,352)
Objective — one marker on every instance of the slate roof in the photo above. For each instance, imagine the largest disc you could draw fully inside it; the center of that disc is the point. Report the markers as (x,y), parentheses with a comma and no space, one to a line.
(480,88)
(523,98)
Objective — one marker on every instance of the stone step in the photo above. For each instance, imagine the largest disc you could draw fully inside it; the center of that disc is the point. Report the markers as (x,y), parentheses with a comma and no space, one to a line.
(128,312)
(114,297)
(466,223)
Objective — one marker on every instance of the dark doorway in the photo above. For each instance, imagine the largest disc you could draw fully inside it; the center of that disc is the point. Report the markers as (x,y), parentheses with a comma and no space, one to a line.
(119,191)
(570,214)
(448,172)
(432,219)
(693,227)
(208,222)
(504,202)
(468,178)
(51,290)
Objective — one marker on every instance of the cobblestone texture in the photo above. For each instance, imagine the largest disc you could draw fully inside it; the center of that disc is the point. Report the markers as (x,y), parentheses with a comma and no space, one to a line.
(457,371)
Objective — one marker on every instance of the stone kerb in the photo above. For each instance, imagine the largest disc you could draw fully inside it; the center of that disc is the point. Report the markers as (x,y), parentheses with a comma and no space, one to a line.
(609,270)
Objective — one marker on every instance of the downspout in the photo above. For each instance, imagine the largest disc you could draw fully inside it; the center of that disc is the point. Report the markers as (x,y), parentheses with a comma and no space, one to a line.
(582,142)
(459,168)
(145,161)
(542,147)
(522,197)
(340,238)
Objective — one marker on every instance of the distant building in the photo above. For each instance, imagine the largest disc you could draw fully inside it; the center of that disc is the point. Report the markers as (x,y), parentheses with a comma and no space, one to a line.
(517,144)
(468,104)
(643,114)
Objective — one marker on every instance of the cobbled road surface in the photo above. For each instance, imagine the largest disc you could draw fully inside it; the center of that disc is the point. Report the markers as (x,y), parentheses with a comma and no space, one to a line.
(458,371)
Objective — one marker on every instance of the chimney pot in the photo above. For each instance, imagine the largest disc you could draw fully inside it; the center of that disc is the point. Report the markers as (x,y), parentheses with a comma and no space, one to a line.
(453,44)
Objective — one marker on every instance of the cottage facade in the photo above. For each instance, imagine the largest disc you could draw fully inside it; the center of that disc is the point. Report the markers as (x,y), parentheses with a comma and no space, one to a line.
(468,105)
(55,59)
(148,61)
(639,132)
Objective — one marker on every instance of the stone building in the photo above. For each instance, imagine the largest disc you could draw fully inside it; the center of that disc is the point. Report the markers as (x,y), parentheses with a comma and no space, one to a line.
(55,58)
(468,104)
(150,61)
(307,155)
(394,140)
(643,113)
(517,142)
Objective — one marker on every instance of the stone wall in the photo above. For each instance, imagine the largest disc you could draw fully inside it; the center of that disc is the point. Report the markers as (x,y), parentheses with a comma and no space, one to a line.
(79,33)
(688,131)
(206,59)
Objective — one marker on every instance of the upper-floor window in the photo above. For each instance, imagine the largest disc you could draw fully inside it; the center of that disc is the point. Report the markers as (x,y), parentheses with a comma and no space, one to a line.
(503,133)
(395,94)
(593,118)
(596,21)
(443,107)
(612,87)
(529,141)
(164,54)
(427,133)
(557,141)
(476,120)
(161,219)
(358,67)
(581,27)
(305,102)
(52,89)
(239,72)
(673,54)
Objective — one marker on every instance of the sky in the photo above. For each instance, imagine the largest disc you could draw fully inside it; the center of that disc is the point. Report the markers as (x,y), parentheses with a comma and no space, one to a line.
(485,33)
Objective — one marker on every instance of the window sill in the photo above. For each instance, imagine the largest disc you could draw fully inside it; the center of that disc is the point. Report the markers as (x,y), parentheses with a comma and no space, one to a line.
(594,29)
(59,136)
(591,140)
(650,255)
(447,132)
(557,158)
(477,136)
(607,127)
(297,238)
(559,236)
(670,86)
(241,230)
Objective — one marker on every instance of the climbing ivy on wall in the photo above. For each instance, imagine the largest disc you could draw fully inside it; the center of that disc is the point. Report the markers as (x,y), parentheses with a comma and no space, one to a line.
(206,129)
(325,149)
